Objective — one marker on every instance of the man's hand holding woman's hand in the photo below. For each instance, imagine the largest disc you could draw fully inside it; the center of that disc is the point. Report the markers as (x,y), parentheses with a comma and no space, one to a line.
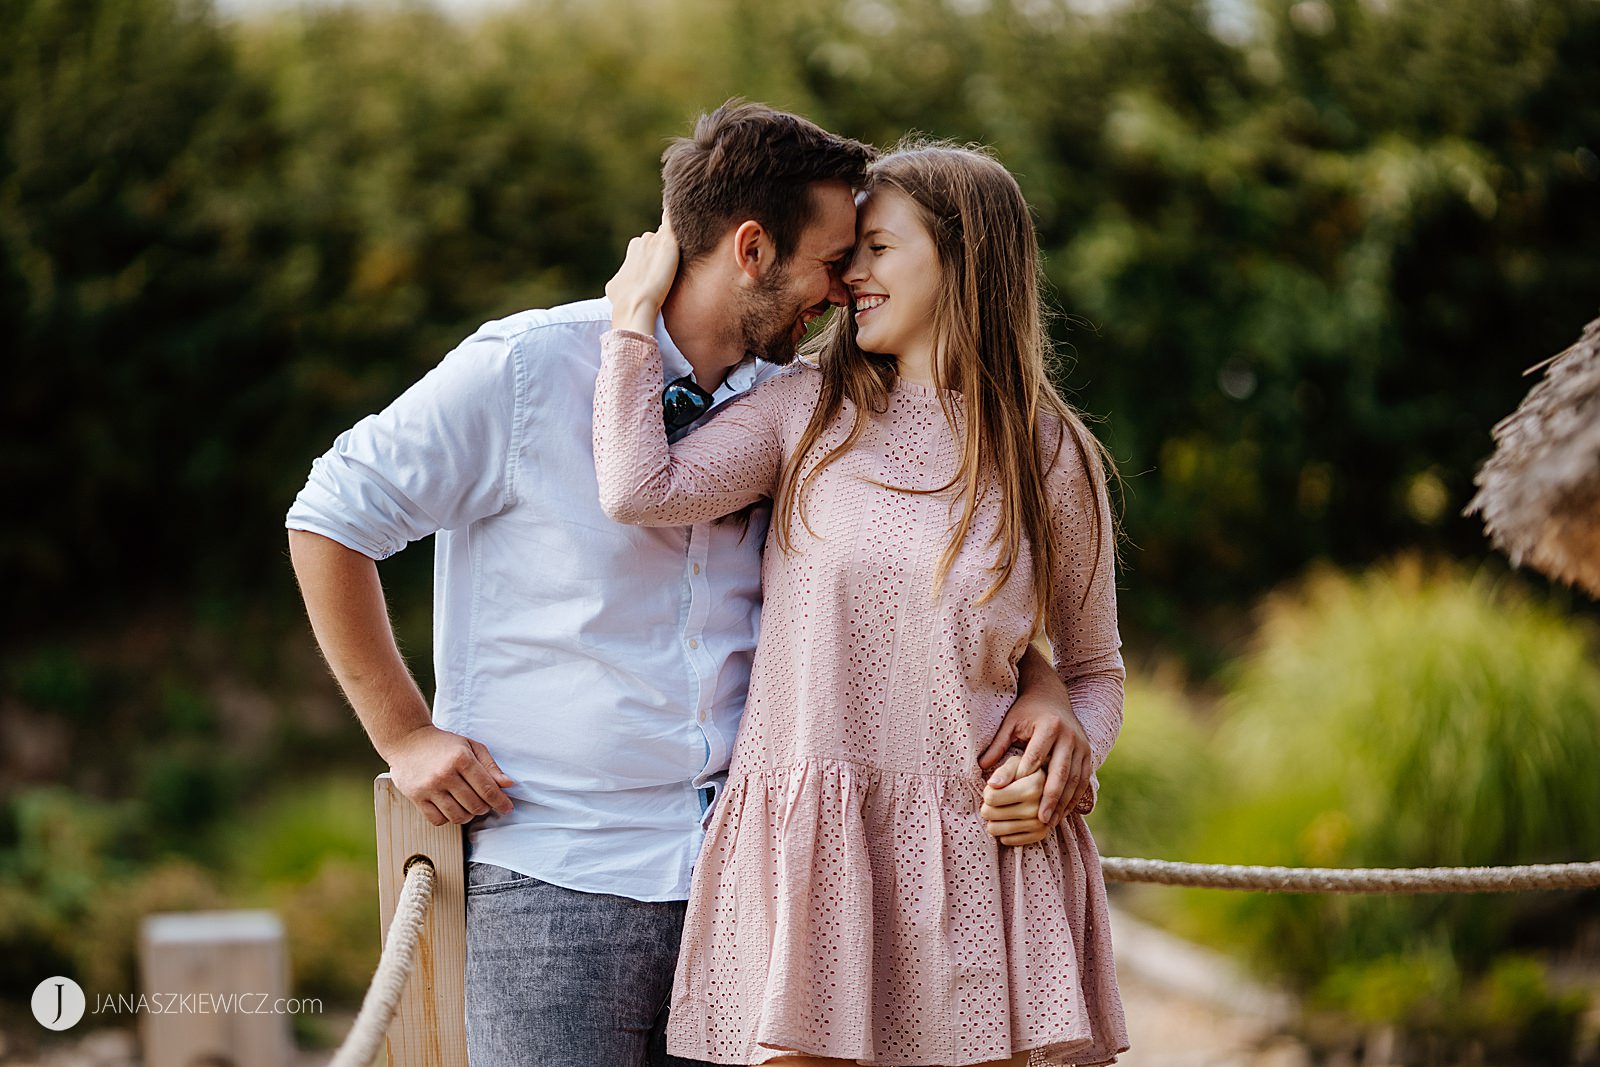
(1042,720)
(1011,810)
(641,284)
(1027,794)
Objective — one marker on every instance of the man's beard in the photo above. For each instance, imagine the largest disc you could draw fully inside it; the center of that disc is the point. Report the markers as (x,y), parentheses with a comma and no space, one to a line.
(766,324)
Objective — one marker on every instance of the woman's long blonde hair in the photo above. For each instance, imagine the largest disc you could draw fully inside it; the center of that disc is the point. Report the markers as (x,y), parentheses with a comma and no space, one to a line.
(991,346)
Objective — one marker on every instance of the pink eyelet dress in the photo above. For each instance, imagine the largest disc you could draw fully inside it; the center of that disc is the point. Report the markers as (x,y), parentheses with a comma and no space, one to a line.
(848,901)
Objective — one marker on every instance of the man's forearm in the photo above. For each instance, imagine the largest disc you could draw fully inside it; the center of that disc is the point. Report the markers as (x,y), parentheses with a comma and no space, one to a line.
(344,599)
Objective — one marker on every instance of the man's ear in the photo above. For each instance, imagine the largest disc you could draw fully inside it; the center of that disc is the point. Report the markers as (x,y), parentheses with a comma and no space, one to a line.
(753,249)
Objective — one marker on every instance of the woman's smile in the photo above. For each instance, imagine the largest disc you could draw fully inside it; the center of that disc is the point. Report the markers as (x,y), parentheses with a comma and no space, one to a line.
(894,282)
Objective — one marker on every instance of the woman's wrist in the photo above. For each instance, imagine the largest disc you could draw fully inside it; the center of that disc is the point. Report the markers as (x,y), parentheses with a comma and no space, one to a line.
(639,317)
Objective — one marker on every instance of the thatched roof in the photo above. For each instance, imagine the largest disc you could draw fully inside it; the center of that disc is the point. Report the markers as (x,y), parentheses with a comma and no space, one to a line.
(1539,494)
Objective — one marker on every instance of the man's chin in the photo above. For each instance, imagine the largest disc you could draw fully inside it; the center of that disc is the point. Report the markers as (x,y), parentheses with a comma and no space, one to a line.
(780,352)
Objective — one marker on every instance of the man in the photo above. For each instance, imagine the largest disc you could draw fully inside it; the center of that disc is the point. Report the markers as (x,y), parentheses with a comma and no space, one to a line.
(590,675)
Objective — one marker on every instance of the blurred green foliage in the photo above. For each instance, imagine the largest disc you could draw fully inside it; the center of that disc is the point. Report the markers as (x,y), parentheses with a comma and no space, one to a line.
(1470,709)
(309,851)
(1333,236)
(1412,717)
(78,875)
(195,760)
(1509,1015)
(1153,791)
(301,827)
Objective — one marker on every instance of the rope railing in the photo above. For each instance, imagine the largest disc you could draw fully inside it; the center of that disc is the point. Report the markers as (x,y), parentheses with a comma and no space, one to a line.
(400,947)
(1355,879)
(394,969)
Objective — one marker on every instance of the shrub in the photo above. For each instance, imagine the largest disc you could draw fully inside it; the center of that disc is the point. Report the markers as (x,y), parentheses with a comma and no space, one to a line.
(72,895)
(1509,1016)
(1156,777)
(1415,716)
(77,876)
(332,926)
(288,838)
(309,852)
(106,946)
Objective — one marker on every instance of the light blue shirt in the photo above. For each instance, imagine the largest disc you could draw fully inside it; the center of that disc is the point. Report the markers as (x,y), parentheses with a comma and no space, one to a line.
(603,665)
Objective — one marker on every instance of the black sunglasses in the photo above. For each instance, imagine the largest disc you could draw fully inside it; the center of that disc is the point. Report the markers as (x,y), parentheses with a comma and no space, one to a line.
(683,401)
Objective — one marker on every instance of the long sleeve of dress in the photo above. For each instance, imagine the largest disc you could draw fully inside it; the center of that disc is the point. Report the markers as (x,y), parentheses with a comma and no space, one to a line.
(1081,620)
(730,461)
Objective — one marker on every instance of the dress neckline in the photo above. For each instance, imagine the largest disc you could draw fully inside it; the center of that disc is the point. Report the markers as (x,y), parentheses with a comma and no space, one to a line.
(918,389)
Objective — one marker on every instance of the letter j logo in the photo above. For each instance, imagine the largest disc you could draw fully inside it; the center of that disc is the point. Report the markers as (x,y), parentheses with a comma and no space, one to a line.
(58,1003)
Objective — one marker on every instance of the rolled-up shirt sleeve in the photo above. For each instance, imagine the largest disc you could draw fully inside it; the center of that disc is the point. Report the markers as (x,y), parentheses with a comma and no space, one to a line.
(441,457)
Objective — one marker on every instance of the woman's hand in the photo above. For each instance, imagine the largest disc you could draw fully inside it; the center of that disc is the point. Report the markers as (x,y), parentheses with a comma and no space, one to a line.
(1012,811)
(1042,719)
(641,284)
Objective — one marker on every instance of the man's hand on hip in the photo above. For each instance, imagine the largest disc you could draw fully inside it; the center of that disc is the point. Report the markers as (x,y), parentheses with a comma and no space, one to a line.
(450,778)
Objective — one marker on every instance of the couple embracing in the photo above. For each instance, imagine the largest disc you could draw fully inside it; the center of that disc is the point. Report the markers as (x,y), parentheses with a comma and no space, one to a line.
(688,845)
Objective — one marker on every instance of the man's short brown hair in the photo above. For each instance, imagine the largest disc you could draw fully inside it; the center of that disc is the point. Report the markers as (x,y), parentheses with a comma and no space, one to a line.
(751,161)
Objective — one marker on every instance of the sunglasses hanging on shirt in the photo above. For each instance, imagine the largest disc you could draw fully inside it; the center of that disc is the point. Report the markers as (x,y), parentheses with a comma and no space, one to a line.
(682,402)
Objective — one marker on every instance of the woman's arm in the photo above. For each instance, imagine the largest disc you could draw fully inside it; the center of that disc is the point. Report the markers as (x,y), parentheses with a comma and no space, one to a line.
(1081,618)
(729,463)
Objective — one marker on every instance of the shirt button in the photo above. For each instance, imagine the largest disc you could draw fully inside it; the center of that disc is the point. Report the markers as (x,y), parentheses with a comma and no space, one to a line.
(693,643)
(702,716)
(697,568)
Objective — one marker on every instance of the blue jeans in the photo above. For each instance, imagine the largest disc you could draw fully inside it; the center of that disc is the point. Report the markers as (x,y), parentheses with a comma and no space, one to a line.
(558,978)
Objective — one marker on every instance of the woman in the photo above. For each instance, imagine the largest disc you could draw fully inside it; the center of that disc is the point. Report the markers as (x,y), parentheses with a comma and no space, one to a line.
(936,503)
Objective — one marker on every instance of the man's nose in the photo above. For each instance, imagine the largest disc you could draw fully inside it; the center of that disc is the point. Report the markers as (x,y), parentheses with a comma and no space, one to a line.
(854,270)
(838,290)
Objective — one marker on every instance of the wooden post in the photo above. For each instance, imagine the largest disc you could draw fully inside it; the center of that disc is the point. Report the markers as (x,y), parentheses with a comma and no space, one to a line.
(430,1028)
(216,982)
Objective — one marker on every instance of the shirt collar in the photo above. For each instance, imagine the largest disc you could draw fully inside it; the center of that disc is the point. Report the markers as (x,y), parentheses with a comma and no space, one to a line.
(675,365)
(741,377)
